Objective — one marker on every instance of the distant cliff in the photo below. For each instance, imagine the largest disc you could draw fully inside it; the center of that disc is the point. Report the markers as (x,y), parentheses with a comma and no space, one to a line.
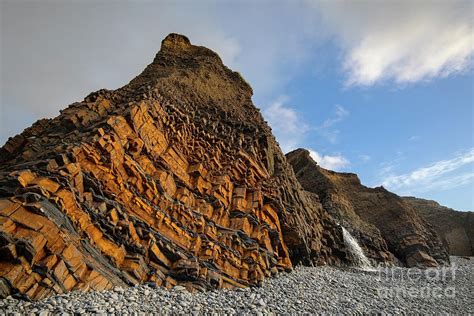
(382,222)
(455,228)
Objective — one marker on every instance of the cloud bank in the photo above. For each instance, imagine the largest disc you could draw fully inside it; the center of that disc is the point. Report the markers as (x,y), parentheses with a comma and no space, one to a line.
(400,41)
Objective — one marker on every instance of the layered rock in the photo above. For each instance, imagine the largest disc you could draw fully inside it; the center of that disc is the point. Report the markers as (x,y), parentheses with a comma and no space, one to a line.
(382,222)
(174,178)
(455,228)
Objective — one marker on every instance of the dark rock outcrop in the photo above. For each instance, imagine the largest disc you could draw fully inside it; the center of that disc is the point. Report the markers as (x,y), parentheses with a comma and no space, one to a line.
(173,178)
(455,228)
(382,222)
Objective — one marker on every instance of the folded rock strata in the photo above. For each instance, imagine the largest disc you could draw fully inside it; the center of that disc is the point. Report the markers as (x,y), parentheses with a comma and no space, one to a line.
(387,228)
(173,178)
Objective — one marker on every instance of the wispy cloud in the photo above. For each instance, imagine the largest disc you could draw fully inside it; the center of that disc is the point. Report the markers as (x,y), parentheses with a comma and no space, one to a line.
(339,115)
(442,174)
(364,158)
(336,162)
(288,127)
(450,182)
(290,130)
(401,41)
(387,167)
(328,130)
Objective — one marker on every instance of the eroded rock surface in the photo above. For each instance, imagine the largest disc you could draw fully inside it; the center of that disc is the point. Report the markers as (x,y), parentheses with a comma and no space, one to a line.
(455,228)
(384,224)
(174,178)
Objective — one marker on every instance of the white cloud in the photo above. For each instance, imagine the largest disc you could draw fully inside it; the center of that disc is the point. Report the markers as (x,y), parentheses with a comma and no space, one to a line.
(336,162)
(287,126)
(290,131)
(437,175)
(401,41)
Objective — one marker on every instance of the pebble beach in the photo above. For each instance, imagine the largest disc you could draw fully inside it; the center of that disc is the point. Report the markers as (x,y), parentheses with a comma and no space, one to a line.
(305,290)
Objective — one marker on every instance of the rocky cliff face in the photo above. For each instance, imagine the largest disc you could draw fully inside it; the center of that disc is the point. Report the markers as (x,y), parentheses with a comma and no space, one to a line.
(455,228)
(385,225)
(174,178)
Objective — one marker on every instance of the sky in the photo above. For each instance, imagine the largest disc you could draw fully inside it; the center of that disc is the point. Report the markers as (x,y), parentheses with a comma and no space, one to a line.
(384,89)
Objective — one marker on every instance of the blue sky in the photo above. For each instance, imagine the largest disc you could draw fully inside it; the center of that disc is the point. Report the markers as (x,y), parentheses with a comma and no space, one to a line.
(382,89)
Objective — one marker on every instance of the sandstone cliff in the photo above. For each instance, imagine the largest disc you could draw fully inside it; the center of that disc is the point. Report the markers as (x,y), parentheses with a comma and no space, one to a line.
(173,178)
(382,222)
(455,228)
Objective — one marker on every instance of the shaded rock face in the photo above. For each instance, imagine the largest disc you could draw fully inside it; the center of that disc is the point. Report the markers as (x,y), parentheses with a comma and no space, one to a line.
(174,178)
(387,228)
(455,228)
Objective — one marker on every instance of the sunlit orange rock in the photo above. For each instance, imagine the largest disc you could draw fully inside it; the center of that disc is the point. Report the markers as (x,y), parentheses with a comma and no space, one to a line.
(174,178)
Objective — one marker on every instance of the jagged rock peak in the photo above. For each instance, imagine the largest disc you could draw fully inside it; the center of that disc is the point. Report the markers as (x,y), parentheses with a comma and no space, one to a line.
(303,156)
(301,152)
(175,42)
(191,71)
(180,46)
